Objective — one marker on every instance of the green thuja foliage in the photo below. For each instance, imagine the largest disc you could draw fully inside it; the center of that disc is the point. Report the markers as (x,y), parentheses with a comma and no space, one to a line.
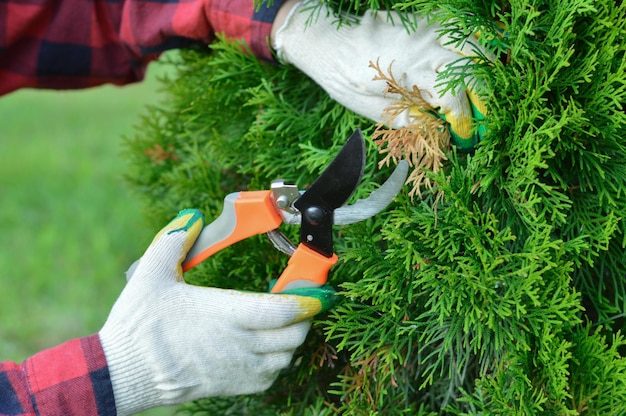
(501,290)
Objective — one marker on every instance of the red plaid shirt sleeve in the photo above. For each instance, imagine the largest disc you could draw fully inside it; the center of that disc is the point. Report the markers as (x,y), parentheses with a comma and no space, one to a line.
(82,43)
(71,379)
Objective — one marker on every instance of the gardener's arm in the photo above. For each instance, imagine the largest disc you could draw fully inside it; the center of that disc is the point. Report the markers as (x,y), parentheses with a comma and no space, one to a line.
(45,48)
(62,45)
(71,379)
(166,342)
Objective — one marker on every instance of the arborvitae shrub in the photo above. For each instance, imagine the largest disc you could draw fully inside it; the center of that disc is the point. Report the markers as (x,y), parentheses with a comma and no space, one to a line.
(498,290)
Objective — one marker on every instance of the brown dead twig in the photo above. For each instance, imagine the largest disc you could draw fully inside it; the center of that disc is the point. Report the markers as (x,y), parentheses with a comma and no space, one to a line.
(422,142)
(158,154)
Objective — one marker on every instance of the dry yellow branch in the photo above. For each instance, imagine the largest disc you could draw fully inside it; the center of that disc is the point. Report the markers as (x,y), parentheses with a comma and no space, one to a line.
(422,142)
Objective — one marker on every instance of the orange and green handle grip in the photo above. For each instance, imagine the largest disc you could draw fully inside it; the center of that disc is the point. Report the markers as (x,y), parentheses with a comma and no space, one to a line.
(305,268)
(245,214)
(250,213)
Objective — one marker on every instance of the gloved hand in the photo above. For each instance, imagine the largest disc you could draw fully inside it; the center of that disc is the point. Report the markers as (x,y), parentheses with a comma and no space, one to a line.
(167,342)
(338,60)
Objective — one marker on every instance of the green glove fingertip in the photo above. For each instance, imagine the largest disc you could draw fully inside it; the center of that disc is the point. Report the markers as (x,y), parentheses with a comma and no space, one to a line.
(185,219)
(189,220)
(326,295)
(479,111)
(465,143)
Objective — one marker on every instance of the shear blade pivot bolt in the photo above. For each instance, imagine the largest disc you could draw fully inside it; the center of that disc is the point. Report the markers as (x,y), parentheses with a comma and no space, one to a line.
(314,215)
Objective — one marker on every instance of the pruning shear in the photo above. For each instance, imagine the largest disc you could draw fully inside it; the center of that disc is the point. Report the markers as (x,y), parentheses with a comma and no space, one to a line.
(250,213)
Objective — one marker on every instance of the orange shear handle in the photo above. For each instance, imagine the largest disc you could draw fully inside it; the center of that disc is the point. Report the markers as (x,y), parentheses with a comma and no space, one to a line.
(245,214)
(306,268)
(250,213)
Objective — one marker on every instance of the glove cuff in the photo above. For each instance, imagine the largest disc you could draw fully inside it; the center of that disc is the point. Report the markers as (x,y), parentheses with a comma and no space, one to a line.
(306,35)
(132,386)
(283,32)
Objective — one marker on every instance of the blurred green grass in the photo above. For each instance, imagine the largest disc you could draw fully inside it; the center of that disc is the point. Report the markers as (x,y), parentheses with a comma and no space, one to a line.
(69,226)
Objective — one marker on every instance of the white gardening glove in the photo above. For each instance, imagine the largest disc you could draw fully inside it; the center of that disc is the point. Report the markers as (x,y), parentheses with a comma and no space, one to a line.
(338,60)
(167,342)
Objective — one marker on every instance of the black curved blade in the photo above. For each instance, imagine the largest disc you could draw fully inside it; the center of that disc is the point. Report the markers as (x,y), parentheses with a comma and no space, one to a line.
(330,191)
